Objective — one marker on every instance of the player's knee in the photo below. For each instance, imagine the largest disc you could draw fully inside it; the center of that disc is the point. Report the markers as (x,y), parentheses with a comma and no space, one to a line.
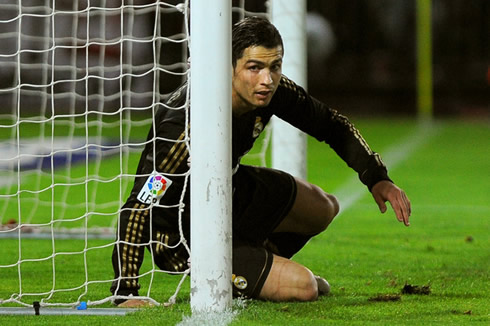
(329,209)
(310,290)
(289,281)
(334,207)
(303,287)
(313,211)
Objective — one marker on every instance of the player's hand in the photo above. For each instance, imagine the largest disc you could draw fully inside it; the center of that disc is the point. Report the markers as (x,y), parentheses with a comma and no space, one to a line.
(135,303)
(385,191)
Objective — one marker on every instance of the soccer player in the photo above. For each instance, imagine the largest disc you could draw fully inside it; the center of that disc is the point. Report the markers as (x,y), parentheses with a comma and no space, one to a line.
(274,213)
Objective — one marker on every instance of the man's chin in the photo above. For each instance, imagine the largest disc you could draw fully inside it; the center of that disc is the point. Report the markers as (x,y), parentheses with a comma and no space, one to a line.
(262,103)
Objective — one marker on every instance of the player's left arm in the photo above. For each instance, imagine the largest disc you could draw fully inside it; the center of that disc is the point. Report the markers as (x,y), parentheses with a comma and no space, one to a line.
(295,106)
(384,191)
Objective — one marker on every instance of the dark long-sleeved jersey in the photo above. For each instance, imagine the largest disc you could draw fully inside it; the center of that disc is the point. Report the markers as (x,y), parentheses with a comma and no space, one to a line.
(290,103)
(167,153)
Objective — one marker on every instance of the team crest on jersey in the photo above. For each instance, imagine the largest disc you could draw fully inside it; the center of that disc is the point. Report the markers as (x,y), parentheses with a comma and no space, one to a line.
(155,187)
(258,127)
(240,282)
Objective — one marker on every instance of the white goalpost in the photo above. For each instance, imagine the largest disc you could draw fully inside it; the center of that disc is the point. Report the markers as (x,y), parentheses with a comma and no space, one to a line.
(80,84)
(211,190)
(288,143)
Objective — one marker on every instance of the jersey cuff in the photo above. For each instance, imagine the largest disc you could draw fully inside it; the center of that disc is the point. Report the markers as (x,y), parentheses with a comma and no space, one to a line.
(372,176)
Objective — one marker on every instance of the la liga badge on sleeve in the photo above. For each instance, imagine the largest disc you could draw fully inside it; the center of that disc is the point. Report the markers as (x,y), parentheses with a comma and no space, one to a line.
(154,188)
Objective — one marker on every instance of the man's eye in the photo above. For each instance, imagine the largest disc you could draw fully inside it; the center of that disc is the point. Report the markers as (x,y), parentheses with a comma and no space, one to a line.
(276,67)
(254,68)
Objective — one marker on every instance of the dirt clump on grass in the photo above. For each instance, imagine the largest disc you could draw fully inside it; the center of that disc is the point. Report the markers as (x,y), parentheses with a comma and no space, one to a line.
(416,289)
(385,297)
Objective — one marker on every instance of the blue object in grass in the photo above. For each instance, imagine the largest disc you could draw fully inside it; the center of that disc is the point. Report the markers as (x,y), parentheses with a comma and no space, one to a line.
(82,306)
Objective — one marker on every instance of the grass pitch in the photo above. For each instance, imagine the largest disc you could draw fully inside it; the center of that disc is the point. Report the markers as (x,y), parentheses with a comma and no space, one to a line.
(367,257)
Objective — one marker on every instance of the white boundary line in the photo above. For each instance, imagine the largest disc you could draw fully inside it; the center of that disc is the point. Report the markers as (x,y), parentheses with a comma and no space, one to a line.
(351,191)
(439,207)
(67,311)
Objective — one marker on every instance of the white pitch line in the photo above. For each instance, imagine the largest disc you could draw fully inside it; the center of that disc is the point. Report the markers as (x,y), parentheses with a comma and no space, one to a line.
(451,207)
(351,191)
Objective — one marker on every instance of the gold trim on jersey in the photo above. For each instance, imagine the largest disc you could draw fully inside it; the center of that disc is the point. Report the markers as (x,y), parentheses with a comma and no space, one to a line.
(175,156)
(134,230)
(172,257)
(342,119)
(130,253)
(289,84)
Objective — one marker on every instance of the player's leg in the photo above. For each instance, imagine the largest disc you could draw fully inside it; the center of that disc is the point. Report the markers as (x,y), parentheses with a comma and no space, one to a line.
(263,198)
(273,205)
(313,210)
(258,273)
(289,281)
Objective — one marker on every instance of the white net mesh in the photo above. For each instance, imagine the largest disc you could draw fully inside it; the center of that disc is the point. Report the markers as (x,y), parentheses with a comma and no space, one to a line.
(80,82)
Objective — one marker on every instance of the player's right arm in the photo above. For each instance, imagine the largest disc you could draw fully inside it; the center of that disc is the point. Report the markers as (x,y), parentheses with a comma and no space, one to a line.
(166,151)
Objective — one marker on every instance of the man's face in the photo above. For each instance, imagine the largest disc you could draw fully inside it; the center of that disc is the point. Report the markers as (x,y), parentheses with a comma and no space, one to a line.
(255,78)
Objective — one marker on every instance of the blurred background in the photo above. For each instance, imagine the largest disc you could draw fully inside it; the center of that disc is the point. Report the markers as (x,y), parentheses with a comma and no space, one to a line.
(361,55)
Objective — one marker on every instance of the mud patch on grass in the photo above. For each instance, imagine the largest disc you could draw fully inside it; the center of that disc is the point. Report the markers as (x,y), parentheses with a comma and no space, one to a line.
(385,297)
(416,289)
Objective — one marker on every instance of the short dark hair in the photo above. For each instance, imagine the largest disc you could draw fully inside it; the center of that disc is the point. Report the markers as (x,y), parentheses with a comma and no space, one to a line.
(253,31)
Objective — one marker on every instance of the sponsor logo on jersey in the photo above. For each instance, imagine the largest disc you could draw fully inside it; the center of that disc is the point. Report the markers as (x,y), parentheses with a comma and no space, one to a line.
(155,187)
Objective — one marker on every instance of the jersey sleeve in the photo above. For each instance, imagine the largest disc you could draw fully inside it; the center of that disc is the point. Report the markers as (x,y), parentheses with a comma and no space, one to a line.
(166,153)
(313,117)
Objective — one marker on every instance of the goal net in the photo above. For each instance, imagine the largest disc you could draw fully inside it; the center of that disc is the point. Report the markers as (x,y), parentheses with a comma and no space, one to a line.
(80,83)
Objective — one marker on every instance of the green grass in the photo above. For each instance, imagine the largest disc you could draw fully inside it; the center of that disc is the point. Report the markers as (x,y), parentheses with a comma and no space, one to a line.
(97,183)
(363,253)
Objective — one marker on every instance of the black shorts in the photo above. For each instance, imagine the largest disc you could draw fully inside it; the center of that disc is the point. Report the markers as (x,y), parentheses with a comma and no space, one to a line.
(262,198)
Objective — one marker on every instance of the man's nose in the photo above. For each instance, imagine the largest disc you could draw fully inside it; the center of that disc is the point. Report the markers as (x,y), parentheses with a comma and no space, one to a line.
(266,77)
